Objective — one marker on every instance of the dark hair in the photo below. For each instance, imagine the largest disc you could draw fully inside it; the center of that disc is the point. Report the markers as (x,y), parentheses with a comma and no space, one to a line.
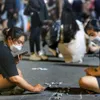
(14,33)
(70,27)
(88,27)
(93,25)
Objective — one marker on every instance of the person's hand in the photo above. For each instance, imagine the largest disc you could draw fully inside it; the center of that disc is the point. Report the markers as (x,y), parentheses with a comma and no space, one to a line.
(90,71)
(47,22)
(15,16)
(18,58)
(58,22)
(38,88)
(45,27)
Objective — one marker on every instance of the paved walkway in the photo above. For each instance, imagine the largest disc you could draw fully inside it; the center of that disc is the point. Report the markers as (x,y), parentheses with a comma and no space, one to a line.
(54,71)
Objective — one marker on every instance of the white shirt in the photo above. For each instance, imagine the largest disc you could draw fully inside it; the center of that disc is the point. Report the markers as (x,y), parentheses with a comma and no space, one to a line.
(77,46)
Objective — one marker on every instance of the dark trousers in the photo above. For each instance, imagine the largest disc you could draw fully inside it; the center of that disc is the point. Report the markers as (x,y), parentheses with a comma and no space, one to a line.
(34,40)
(11,22)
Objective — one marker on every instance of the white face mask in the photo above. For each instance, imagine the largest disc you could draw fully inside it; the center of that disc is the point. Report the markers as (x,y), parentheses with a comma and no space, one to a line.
(98,38)
(15,48)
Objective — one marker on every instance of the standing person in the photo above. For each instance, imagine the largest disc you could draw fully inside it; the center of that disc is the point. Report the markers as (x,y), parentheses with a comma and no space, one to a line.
(97,8)
(10,75)
(22,19)
(1,19)
(12,12)
(3,14)
(38,16)
(1,10)
(77,8)
(87,10)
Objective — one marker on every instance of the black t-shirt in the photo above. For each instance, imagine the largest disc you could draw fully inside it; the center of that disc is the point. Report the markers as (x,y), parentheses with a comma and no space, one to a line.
(97,6)
(7,62)
(67,6)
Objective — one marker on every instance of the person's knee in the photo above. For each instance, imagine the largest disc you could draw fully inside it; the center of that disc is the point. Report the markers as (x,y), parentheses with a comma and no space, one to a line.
(82,81)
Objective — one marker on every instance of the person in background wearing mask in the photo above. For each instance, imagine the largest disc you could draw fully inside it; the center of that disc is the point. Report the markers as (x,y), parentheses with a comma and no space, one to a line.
(93,31)
(10,75)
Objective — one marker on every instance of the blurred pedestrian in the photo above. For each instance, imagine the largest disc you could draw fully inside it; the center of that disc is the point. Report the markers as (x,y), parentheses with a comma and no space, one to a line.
(12,12)
(22,19)
(97,8)
(38,13)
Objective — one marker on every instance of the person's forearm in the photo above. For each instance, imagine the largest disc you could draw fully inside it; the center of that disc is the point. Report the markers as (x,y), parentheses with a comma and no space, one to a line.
(94,48)
(96,74)
(96,71)
(59,4)
(24,84)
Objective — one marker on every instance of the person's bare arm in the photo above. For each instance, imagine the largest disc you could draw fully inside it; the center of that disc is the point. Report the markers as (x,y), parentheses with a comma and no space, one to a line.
(19,81)
(59,4)
(93,71)
(94,48)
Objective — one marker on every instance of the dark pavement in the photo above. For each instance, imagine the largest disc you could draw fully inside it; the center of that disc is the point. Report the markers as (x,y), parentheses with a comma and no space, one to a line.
(54,70)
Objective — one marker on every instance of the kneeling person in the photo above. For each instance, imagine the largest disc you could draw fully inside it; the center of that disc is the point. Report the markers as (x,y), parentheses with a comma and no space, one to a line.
(10,75)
